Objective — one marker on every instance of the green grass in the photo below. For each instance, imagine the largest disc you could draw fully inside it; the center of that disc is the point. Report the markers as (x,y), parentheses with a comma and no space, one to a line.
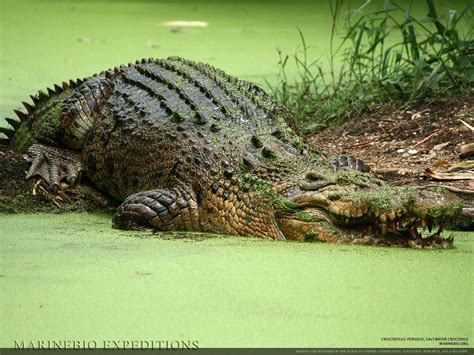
(72,276)
(386,54)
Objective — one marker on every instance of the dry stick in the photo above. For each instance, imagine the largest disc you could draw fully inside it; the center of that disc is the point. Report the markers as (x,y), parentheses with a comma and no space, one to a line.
(467,125)
(450,188)
(43,189)
(36,186)
(425,139)
(445,176)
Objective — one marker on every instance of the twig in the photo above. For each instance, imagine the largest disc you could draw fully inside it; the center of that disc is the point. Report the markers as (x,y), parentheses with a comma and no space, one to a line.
(361,144)
(35,186)
(467,125)
(418,114)
(43,189)
(425,139)
(450,188)
(444,176)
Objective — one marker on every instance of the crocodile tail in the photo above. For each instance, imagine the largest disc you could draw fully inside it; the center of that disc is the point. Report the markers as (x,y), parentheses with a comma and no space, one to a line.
(16,134)
(14,125)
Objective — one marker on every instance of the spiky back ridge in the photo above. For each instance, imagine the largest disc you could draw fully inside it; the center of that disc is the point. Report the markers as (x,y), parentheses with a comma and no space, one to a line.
(43,96)
(185,90)
(39,99)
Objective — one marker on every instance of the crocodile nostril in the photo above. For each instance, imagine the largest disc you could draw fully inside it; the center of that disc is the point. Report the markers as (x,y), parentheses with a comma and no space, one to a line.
(313,175)
(314,185)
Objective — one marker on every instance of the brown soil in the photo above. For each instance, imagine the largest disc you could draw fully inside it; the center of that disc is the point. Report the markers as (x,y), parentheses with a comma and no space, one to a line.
(400,144)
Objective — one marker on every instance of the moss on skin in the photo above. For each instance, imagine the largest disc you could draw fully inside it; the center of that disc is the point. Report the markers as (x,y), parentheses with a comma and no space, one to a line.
(23,138)
(311,236)
(379,201)
(357,178)
(48,126)
(43,126)
(266,190)
(306,217)
(454,209)
(386,200)
(289,133)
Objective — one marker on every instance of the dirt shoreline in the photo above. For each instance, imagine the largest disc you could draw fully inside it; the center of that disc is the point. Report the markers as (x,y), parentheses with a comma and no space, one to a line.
(399,144)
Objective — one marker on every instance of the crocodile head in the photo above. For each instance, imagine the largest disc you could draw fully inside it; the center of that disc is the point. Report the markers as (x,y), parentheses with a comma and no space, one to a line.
(354,207)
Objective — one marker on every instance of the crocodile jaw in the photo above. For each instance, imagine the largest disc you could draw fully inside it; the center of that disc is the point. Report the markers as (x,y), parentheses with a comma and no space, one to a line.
(385,216)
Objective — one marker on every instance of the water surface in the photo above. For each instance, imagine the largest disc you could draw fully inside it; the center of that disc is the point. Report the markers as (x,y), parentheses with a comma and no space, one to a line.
(72,276)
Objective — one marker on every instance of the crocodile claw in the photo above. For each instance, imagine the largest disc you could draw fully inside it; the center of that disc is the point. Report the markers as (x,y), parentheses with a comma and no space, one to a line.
(54,164)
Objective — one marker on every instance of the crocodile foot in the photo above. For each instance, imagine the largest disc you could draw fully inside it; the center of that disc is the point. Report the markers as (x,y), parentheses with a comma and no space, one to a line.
(54,164)
(160,209)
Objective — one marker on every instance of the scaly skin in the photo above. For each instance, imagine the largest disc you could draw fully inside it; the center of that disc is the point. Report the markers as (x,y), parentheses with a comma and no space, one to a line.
(187,147)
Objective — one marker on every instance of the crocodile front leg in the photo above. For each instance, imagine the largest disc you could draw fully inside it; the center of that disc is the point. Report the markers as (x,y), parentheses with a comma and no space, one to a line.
(54,164)
(161,209)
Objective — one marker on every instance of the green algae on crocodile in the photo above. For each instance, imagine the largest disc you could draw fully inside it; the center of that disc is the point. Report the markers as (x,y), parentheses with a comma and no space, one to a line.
(184,146)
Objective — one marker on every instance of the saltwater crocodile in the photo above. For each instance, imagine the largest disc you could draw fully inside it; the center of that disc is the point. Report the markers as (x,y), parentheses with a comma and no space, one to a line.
(185,146)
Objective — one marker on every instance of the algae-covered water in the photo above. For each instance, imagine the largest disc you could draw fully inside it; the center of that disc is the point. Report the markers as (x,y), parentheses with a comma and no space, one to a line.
(46,42)
(72,276)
